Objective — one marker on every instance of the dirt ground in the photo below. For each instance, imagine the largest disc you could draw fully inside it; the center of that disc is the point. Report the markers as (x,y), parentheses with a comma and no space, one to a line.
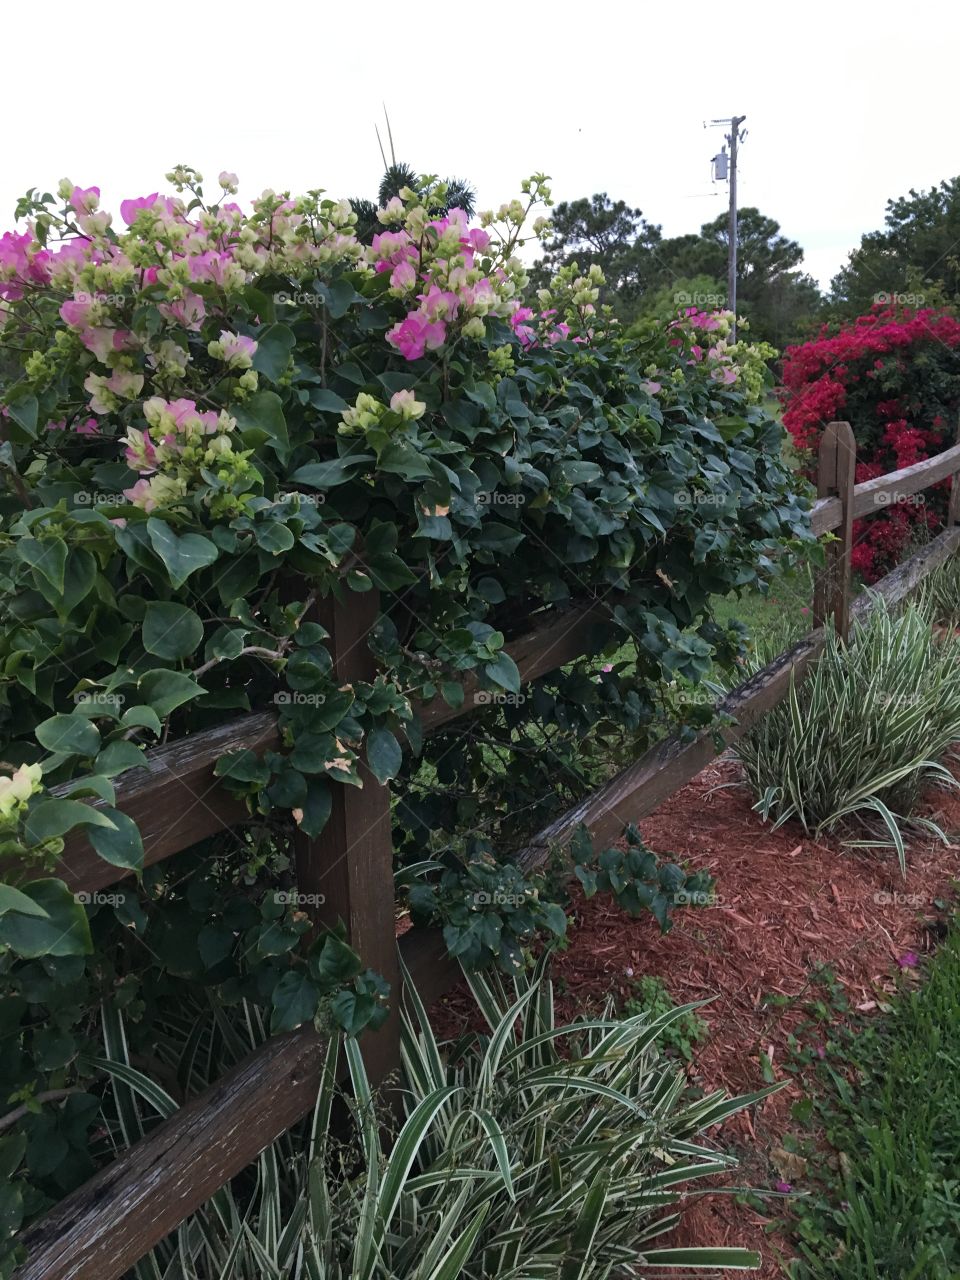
(785,905)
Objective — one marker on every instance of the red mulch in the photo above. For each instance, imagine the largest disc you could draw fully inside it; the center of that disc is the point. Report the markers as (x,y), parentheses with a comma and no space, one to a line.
(785,905)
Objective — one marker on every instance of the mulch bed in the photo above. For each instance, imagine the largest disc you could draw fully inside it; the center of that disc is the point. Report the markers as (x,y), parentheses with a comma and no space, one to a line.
(786,905)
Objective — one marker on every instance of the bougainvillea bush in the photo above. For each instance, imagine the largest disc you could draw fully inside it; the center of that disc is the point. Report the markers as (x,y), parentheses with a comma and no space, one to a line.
(894,375)
(214,420)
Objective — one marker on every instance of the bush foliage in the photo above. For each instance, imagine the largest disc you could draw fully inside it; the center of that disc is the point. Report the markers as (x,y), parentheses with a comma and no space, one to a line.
(895,376)
(214,420)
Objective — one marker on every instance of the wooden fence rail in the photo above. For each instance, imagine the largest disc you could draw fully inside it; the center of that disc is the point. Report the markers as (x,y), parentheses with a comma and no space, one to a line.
(99,1231)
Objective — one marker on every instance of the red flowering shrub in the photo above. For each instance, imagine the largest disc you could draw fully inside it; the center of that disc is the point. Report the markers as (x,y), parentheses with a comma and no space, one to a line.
(895,377)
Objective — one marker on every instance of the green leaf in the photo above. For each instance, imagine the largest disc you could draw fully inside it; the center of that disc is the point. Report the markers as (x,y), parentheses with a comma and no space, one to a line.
(327,401)
(24,410)
(384,754)
(243,766)
(261,418)
(63,931)
(295,1000)
(327,475)
(182,556)
(141,717)
(273,351)
(121,847)
(51,818)
(273,537)
(70,735)
(333,963)
(171,631)
(167,690)
(12,899)
(118,756)
(503,671)
(47,557)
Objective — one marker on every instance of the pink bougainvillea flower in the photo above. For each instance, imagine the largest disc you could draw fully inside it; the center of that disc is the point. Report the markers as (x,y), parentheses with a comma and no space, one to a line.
(188,311)
(439,304)
(130,208)
(412,336)
(138,495)
(88,428)
(403,276)
(782,1186)
(909,960)
(85,199)
(75,312)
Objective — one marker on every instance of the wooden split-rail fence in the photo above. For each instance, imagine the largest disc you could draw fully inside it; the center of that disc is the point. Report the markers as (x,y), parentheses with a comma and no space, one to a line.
(99,1231)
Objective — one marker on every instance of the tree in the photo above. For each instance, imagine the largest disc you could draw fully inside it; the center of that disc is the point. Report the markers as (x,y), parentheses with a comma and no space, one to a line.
(917,255)
(606,232)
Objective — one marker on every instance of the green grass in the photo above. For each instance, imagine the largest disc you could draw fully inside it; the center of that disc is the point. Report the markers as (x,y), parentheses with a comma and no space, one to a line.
(888,1208)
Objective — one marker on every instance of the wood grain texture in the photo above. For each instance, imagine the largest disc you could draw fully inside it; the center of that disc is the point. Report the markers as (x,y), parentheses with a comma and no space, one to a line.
(836,475)
(873,496)
(346,873)
(175,800)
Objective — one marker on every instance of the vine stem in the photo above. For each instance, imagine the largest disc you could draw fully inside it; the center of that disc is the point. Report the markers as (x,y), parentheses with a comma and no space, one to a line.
(49,1095)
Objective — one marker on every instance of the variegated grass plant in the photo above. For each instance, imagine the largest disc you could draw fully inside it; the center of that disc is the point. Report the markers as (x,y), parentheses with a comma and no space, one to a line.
(535,1151)
(852,746)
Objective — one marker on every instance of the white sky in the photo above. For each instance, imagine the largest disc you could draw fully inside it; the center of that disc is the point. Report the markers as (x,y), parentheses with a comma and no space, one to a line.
(848,103)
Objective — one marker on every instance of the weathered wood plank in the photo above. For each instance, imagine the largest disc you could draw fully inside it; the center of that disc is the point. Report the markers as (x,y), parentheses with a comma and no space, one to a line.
(835,477)
(175,800)
(346,873)
(101,1230)
(874,496)
(559,638)
(825,515)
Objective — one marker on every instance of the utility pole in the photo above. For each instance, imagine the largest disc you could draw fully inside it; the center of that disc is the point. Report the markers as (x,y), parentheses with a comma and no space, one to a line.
(733,137)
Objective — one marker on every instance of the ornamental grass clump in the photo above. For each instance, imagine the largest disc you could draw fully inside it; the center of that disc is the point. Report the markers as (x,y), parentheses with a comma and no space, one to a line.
(537,1150)
(852,746)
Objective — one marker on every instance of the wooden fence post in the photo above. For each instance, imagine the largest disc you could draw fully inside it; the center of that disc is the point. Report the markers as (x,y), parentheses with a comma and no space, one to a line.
(346,873)
(953,510)
(836,476)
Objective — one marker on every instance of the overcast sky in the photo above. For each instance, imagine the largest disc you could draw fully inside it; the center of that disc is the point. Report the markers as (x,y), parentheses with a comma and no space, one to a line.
(847,103)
